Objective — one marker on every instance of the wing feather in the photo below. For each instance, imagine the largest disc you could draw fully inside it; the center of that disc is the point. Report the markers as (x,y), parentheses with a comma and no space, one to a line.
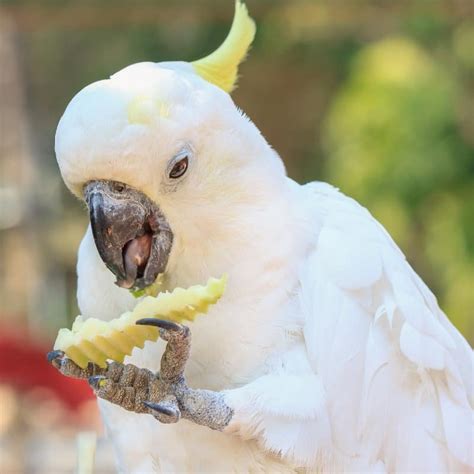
(398,375)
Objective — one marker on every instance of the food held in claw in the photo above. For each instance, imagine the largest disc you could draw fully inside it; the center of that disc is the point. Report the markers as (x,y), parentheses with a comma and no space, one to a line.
(94,340)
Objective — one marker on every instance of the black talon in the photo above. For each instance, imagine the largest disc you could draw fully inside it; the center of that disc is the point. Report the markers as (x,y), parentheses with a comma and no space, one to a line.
(52,355)
(161,409)
(159,323)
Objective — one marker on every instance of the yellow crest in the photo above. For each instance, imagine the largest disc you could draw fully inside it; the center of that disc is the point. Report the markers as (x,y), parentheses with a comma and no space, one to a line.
(220,67)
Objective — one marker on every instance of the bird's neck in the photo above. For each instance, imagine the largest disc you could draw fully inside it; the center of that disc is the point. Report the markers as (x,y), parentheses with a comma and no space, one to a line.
(260,239)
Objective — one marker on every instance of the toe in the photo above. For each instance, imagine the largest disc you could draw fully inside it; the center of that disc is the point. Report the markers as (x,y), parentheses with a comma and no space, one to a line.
(126,397)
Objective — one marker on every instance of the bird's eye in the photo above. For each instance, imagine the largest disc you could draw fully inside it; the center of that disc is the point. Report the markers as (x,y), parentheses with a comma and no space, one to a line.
(119,187)
(179,168)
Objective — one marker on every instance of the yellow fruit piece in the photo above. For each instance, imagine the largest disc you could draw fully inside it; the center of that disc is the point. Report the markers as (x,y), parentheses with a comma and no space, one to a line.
(94,340)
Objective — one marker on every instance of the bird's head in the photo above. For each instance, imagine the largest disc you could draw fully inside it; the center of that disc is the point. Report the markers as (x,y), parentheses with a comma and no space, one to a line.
(163,157)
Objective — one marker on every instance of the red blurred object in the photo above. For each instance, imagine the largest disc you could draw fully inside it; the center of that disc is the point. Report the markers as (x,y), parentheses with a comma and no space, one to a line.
(23,365)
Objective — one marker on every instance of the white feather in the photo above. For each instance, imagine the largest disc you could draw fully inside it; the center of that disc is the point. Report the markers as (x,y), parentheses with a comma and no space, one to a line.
(405,352)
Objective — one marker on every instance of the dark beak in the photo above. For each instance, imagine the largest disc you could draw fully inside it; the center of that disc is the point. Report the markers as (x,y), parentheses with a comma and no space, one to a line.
(131,234)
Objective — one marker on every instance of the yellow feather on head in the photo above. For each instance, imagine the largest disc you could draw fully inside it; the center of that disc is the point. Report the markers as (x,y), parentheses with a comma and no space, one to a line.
(220,67)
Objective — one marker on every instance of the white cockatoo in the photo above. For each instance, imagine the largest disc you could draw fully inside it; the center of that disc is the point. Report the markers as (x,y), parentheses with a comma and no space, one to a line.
(326,353)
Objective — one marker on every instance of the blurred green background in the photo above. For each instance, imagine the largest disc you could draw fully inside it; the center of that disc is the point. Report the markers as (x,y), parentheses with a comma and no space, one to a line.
(375,97)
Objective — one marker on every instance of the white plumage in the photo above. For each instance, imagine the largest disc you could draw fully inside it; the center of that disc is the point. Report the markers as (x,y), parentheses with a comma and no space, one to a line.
(330,349)
(360,372)
(398,375)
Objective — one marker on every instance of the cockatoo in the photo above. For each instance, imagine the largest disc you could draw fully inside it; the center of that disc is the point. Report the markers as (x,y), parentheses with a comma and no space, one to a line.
(326,353)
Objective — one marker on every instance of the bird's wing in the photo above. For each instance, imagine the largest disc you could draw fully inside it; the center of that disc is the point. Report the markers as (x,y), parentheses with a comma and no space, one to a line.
(399,376)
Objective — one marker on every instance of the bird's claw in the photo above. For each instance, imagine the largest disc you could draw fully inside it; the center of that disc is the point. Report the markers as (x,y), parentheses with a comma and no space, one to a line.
(165,411)
(160,323)
(168,329)
(164,395)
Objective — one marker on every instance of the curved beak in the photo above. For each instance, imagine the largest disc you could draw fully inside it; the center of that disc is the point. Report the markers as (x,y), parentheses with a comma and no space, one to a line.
(131,234)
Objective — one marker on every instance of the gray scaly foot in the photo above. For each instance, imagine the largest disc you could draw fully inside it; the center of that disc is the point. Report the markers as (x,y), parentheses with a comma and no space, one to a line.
(165,395)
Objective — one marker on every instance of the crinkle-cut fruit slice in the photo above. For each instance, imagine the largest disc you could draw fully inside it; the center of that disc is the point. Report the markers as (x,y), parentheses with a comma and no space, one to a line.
(94,340)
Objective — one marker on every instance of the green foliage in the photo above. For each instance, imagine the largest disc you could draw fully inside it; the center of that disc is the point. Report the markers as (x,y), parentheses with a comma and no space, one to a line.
(393,140)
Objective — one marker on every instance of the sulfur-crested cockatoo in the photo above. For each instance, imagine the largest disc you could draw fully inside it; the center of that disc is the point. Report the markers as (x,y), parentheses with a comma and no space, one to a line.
(326,353)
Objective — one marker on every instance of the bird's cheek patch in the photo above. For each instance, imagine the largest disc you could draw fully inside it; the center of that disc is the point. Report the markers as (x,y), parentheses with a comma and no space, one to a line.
(349,262)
